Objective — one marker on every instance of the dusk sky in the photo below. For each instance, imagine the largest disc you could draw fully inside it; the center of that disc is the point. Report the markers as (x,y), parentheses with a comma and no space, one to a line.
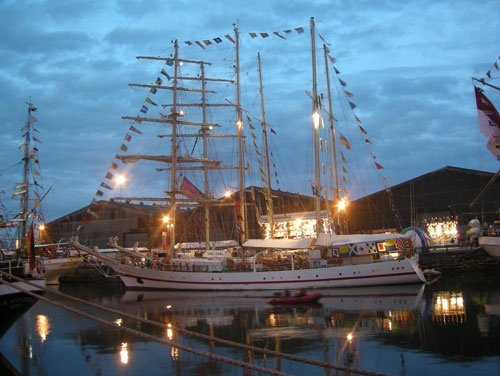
(408,65)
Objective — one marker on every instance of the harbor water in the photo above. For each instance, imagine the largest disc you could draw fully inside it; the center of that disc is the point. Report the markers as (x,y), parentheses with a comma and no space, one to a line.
(449,327)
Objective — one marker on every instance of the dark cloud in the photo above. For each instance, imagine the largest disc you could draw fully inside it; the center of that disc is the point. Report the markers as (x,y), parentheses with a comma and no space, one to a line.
(407,64)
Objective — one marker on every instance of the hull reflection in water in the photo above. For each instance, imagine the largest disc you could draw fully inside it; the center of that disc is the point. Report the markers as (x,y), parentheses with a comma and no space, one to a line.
(252,310)
(339,321)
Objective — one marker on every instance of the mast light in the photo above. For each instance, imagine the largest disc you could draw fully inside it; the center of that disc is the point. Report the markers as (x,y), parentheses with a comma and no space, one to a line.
(315,117)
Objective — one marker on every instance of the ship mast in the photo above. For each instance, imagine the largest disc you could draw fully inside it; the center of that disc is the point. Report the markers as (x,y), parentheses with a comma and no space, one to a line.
(316,120)
(176,161)
(24,207)
(173,148)
(241,143)
(204,132)
(269,199)
(331,124)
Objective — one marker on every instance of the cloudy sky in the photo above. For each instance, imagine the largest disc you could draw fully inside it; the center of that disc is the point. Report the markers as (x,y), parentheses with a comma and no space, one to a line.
(408,65)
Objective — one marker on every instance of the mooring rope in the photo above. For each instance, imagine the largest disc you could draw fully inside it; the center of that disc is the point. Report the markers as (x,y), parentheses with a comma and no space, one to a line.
(186,332)
(150,337)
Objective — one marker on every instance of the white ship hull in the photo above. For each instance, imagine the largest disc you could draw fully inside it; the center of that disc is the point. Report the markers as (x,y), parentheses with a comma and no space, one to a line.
(404,271)
(491,244)
(52,269)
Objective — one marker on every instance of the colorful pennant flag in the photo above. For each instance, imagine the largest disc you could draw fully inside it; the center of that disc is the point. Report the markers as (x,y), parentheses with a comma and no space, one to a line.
(134,129)
(148,100)
(104,185)
(344,141)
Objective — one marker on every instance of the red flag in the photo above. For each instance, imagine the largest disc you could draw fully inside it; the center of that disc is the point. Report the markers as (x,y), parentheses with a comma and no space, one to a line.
(30,247)
(379,167)
(188,189)
(489,120)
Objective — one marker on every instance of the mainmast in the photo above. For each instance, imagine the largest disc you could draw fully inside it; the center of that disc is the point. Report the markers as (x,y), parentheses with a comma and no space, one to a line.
(269,198)
(241,143)
(316,120)
(173,148)
(204,132)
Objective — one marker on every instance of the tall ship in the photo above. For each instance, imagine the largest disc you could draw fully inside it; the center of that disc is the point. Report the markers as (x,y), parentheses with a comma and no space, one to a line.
(322,258)
(19,279)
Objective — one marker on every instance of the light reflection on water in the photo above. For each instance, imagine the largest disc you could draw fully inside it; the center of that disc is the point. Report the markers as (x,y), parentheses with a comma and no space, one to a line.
(446,327)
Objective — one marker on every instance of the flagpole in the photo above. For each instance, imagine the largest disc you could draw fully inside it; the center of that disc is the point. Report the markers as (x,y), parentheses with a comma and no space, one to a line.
(481,80)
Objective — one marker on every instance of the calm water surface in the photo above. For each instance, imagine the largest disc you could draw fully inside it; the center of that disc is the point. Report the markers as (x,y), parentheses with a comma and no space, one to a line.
(449,327)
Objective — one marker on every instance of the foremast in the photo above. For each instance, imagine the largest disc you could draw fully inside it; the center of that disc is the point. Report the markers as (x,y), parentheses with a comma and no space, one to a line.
(176,162)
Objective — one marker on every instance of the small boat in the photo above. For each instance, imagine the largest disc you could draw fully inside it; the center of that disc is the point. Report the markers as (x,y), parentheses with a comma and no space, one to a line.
(299,298)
